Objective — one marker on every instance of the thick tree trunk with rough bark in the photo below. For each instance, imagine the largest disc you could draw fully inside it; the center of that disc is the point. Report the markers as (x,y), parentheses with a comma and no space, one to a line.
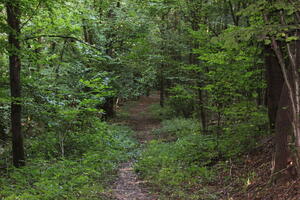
(275,82)
(289,60)
(13,20)
(282,129)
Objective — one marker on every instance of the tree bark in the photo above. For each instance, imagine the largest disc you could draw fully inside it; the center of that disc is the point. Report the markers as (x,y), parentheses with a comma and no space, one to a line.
(290,70)
(275,82)
(13,21)
(282,129)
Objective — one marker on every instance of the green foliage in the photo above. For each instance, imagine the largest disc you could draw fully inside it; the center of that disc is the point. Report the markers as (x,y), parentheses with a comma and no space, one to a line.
(161,113)
(182,100)
(246,123)
(178,127)
(188,158)
(84,173)
(177,167)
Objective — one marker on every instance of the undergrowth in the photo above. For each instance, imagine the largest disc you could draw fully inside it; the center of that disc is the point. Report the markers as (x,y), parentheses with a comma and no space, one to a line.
(178,127)
(88,165)
(177,167)
(185,166)
(161,113)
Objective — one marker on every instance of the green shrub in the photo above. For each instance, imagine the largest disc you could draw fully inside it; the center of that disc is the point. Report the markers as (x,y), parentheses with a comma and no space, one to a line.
(176,167)
(178,127)
(182,100)
(161,113)
(245,124)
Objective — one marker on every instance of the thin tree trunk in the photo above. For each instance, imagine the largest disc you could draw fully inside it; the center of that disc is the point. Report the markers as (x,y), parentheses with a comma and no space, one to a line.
(3,135)
(162,88)
(13,20)
(202,111)
(195,19)
(297,66)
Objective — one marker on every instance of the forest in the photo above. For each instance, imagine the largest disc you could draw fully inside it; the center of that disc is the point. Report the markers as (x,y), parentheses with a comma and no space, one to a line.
(150,99)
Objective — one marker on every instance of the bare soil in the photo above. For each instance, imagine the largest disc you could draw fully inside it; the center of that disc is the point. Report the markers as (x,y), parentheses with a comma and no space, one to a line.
(128,186)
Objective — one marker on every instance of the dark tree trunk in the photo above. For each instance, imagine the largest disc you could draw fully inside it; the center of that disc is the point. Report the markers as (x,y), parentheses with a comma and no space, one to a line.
(282,129)
(201,94)
(87,32)
(195,20)
(202,110)
(280,116)
(13,20)
(3,135)
(287,59)
(275,82)
(109,108)
(162,87)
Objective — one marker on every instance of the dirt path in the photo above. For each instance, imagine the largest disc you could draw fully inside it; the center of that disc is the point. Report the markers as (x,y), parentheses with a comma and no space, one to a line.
(127,186)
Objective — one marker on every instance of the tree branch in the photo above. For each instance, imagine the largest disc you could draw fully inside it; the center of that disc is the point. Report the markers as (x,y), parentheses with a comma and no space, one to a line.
(294,72)
(297,13)
(234,17)
(30,17)
(283,68)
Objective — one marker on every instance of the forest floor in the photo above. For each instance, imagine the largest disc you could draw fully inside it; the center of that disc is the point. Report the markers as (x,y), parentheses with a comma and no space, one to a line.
(254,169)
(248,178)
(127,185)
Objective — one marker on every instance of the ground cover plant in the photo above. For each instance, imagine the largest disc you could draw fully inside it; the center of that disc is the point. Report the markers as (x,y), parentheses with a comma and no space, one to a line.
(83,173)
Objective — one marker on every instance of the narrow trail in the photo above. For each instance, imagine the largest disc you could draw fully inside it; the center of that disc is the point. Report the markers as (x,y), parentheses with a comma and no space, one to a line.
(127,186)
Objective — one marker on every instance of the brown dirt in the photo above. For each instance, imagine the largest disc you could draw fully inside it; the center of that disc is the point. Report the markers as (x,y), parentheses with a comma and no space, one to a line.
(128,186)
(257,166)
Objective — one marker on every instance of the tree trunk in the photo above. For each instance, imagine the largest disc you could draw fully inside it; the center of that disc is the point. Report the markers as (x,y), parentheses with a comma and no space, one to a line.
(296,57)
(291,75)
(195,20)
(201,94)
(162,88)
(275,82)
(109,108)
(282,129)
(13,21)
(3,135)
(202,111)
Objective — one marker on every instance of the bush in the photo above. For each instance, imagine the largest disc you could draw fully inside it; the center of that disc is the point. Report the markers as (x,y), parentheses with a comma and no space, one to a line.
(177,167)
(182,100)
(161,113)
(246,123)
(178,127)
